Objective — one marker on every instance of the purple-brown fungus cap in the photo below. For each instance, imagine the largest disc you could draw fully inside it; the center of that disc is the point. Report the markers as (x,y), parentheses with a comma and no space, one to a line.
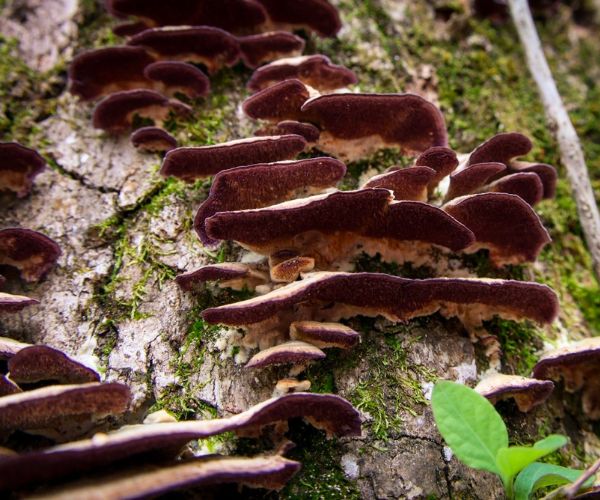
(128,29)
(282,101)
(293,352)
(18,167)
(171,77)
(8,387)
(31,252)
(502,148)
(307,130)
(406,183)
(190,164)
(504,224)
(14,303)
(228,274)
(153,140)
(264,47)
(115,112)
(264,184)
(471,178)
(578,364)
(315,15)
(527,392)
(526,185)
(441,159)
(324,335)
(317,71)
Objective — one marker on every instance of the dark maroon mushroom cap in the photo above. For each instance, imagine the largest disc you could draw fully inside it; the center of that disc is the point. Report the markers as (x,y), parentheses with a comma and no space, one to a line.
(282,101)
(289,353)
(210,46)
(190,164)
(527,392)
(14,303)
(473,177)
(503,223)
(130,28)
(153,139)
(229,274)
(576,355)
(546,173)
(18,167)
(179,76)
(314,70)
(264,184)
(8,387)
(115,112)
(441,159)
(526,185)
(501,148)
(326,411)
(396,298)
(232,15)
(258,49)
(33,253)
(406,183)
(324,335)
(43,363)
(317,15)
(306,130)
(99,72)
(404,120)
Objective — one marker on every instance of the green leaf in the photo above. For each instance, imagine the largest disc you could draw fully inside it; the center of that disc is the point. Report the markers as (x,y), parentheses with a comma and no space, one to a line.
(539,475)
(514,459)
(470,425)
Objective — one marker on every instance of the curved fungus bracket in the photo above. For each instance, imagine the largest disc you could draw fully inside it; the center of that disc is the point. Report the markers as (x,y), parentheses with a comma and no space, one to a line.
(212,47)
(406,183)
(128,29)
(19,166)
(228,274)
(263,184)
(307,130)
(333,414)
(441,159)
(279,102)
(190,164)
(472,178)
(8,387)
(265,47)
(502,223)
(31,252)
(527,392)
(171,77)
(316,71)
(152,140)
(14,303)
(40,363)
(294,352)
(526,185)
(324,335)
(314,15)
(115,113)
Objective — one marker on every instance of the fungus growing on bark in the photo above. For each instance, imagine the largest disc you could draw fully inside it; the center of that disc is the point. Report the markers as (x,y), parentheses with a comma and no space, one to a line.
(526,185)
(153,140)
(264,47)
(307,130)
(269,472)
(18,167)
(115,112)
(334,296)
(7,386)
(40,363)
(503,223)
(356,125)
(324,335)
(527,392)
(406,183)
(441,159)
(279,102)
(232,15)
(14,303)
(263,184)
(317,71)
(333,414)
(212,47)
(31,252)
(175,76)
(470,179)
(228,274)
(316,15)
(56,409)
(190,164)
(334,228)
(99,72)
(128,29)
(293,352)
(577,364)
(10,347)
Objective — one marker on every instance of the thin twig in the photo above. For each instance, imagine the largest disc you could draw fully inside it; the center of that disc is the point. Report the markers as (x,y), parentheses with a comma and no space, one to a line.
(570,490)
(571,152)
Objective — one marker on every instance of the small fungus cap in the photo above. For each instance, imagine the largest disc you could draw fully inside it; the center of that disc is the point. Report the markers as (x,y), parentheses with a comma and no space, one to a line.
(281,101)
(153,139)
(31,252)
(324,335)
(527,392)
(501,148)
(316,15)
(293,352)
(264,47)
(19,166)
(472,177)
(14,303)
(179,76)
(406,183)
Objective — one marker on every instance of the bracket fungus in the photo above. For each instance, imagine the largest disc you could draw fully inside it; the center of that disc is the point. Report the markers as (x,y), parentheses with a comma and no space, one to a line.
(212,47)
(307,130)
(502,223)
(328,412)
(264,47)
(171,77)
(410,183)
(19,166)
(526,185)
(279,102)
(128,29)
(98,72)
(315,15)
(263,184)
(270,472)
(472,178)
(577,364)
(190,164)
(441,159)
(14,303)
(115,113)
(294,352)
(527,392)
(7,386)
(324,335)
(316,71)
(152,140)
(229,275)
(334,296)
(31,252)
(39,363)
(334,228)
